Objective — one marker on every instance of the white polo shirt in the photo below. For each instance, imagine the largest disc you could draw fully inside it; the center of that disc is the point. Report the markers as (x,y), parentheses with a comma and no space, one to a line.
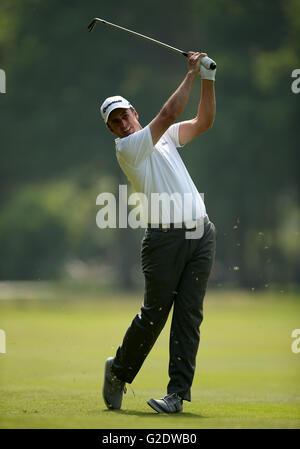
(159,172)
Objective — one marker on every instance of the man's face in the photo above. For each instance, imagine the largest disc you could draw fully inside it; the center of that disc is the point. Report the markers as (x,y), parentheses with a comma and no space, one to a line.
(123,122)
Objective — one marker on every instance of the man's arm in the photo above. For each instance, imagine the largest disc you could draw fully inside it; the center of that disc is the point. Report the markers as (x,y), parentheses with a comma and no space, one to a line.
(177,102)
(206,111)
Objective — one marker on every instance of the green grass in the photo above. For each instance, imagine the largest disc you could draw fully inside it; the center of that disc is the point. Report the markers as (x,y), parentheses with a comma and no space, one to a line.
(51,376)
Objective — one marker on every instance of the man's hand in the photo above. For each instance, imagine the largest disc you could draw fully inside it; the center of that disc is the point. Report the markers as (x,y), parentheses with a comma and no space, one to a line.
(207,74)
(194,61)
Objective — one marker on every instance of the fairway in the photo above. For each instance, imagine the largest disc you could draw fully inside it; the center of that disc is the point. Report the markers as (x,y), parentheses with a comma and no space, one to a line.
(57,341)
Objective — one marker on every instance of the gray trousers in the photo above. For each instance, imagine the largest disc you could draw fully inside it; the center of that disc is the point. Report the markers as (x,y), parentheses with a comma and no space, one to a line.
(176,272)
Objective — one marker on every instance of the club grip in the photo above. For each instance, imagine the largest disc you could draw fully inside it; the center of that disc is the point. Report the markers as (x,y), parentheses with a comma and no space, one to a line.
(208,63)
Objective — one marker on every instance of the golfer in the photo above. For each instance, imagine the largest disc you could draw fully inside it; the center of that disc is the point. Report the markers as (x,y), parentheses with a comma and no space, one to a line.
(176,266)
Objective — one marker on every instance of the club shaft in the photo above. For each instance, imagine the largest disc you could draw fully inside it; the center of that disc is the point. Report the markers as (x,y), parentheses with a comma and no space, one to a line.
(206,61)
(141,35)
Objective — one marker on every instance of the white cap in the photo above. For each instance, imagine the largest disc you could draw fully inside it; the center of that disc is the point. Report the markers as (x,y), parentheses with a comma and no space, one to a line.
(112,103)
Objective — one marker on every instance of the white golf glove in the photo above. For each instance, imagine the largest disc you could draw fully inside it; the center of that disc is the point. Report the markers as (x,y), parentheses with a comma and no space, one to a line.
(207,74)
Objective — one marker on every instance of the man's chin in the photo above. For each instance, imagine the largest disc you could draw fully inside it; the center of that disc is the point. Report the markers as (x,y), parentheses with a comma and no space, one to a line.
(131,131)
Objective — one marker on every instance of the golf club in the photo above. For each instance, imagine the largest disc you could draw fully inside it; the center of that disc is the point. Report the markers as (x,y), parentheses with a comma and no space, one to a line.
(205,61)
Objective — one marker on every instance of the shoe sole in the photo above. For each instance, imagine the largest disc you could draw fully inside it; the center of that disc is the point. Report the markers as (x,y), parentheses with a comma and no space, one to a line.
(153,404)
(108,363)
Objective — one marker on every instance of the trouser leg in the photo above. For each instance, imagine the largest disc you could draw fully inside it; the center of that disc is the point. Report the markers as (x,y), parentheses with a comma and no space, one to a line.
(138,341)
(188,314)
(162,268)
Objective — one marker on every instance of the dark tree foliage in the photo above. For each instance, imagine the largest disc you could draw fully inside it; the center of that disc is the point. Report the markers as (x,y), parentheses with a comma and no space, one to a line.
(56,155)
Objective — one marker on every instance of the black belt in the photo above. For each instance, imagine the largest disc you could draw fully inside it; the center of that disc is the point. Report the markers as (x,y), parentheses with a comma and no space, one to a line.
(177,226)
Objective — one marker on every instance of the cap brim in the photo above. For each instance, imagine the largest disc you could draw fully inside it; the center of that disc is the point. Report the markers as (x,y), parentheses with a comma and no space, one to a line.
(112,108)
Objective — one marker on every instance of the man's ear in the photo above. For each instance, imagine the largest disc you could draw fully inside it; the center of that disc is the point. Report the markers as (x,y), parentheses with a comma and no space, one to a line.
(136,114)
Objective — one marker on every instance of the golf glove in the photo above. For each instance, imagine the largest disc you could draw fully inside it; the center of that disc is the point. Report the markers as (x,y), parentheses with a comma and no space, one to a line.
(207,74)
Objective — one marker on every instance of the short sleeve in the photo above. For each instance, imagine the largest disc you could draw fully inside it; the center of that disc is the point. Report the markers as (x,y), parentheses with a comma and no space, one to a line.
(136,147)
(173,133)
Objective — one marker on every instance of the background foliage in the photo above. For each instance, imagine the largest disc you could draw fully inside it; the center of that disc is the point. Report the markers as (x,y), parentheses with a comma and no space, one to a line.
(56,155)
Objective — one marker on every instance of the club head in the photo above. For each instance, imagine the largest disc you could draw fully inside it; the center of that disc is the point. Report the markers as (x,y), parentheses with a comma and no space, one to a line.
(91,25)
